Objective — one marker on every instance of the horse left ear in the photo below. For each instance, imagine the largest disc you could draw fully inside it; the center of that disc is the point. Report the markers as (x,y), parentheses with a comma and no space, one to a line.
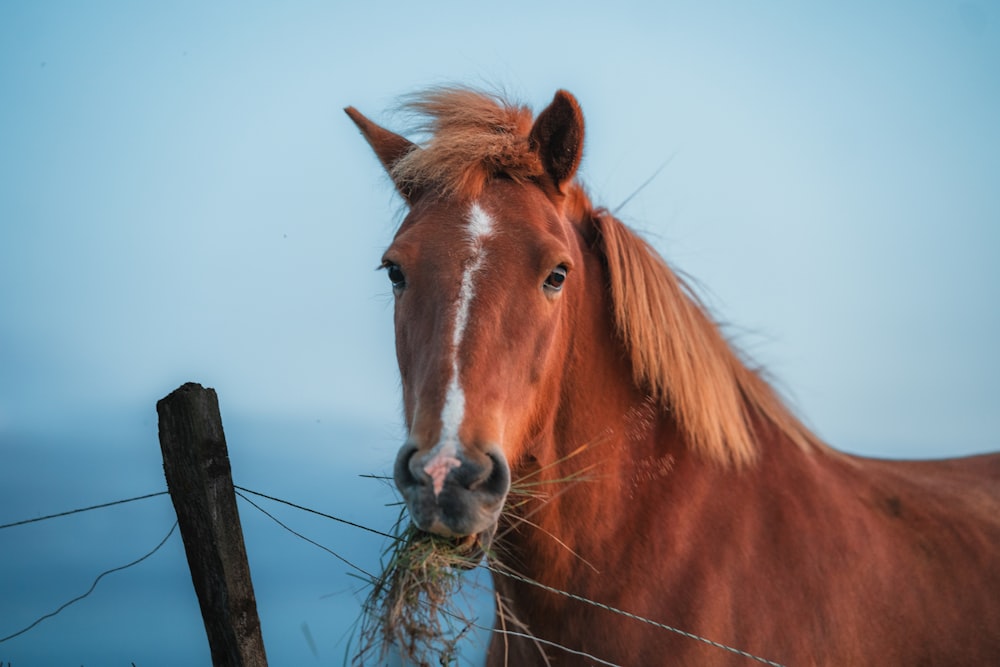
(388,146)
(557,137)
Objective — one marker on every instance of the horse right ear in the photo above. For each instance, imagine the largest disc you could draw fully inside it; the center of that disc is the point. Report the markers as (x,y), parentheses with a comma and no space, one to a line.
(557,136)
(388,146)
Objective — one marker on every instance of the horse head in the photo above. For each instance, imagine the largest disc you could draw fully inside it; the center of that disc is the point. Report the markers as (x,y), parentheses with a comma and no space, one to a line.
(484,269)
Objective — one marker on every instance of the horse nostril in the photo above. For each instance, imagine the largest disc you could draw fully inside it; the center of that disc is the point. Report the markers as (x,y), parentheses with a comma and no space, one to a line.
(492,476)
(402,471)
(453,491)
(471,473)
(483,473)
(498,481)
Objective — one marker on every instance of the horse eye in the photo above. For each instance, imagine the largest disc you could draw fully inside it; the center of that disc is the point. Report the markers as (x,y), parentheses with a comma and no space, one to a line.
(555,280)
(396,276)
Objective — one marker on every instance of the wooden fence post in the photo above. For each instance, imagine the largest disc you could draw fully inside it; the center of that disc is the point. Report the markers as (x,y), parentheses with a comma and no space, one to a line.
(196,465)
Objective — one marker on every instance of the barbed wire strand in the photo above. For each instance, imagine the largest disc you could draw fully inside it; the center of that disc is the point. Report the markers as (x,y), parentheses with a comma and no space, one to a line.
(635,617)
(525,635)
(312,511)
(82,509)
(92,586)
(493,569)
(303,537)
(371,577)
(161,493)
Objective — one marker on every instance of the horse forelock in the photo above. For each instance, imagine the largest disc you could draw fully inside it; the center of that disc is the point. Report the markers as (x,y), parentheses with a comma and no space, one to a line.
(474,136)
(679,355)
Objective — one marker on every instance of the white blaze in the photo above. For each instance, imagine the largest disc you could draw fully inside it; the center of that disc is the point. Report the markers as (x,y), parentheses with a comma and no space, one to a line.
(444,456)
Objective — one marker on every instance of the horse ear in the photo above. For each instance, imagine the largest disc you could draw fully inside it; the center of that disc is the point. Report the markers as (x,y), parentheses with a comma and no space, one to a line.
(557,137)
(388,146)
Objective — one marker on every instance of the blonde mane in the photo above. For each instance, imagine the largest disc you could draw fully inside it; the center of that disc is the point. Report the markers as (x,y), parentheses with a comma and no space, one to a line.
(475,136)
(677,352)
(681,357)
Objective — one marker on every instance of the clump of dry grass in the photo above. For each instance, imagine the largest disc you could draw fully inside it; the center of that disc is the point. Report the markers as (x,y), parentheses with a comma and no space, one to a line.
(411,606)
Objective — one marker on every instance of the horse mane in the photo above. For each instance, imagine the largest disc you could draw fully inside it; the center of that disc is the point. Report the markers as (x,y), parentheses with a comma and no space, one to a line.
(679,355)
(677,352)
(474,136)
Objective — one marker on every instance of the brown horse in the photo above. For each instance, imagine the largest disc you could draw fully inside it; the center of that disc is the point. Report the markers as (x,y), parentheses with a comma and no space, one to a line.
(561,382)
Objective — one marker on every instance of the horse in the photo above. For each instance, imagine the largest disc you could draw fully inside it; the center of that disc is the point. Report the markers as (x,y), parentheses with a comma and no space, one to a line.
(573,410)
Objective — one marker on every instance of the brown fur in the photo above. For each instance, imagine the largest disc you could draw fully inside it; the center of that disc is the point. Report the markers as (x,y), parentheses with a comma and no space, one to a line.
(665,477)
(677,351)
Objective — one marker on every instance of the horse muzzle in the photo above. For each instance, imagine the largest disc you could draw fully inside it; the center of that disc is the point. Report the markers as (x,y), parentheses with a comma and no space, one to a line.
(454,493)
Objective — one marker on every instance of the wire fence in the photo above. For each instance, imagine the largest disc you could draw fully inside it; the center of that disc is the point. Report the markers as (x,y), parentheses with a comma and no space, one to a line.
(100,576)
(245,493)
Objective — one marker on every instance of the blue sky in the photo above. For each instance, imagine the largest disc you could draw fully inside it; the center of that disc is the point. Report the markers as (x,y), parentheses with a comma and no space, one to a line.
(181,198)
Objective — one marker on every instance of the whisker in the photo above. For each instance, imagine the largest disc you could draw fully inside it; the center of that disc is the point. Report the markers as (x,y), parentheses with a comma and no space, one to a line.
(543,500)
(598,439)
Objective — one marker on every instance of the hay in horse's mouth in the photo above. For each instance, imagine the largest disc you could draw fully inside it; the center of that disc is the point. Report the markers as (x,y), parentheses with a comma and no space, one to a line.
(466,552)
(411,606)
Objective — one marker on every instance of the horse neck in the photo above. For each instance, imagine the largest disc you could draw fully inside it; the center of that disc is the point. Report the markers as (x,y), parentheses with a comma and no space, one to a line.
(610,465)
(636,498)
(594,453)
